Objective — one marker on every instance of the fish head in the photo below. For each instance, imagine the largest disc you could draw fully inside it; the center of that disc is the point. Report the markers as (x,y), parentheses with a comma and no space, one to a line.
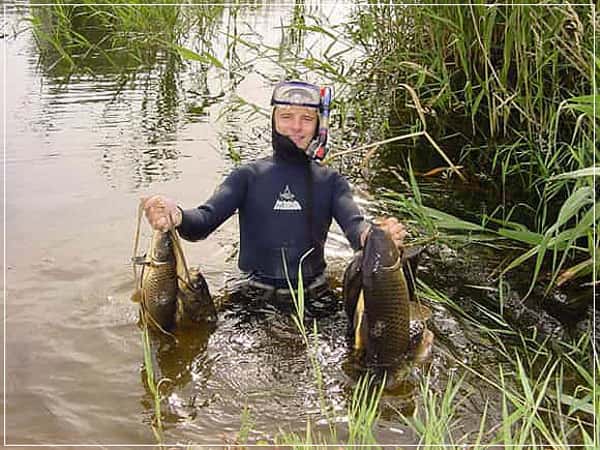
(161,248)
(380,253)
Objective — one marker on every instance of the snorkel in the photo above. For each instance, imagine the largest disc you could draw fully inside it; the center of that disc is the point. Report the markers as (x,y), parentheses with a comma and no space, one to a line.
(317,149)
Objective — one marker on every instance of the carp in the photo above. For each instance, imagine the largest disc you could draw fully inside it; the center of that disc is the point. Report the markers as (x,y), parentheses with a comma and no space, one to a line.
(168,291)
(158,286)
(377,295)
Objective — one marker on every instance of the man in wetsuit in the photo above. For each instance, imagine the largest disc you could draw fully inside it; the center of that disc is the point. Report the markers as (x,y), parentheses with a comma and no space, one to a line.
(285,202)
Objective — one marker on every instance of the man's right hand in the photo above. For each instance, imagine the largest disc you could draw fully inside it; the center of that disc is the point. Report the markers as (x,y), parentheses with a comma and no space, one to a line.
(162,212)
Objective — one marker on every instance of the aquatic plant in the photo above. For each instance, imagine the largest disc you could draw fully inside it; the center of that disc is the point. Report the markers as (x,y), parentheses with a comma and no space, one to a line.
(88,37)
(574,235)
(438,423)
(545,391)
(151,383)
(93,38)
(363,408)
(312,347)
(509,90)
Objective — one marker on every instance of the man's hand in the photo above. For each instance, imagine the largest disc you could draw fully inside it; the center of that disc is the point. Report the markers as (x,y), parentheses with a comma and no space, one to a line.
(162,212)
(395,229)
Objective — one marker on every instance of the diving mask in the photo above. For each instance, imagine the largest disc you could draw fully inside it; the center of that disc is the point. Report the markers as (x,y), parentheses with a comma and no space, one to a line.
(297,93)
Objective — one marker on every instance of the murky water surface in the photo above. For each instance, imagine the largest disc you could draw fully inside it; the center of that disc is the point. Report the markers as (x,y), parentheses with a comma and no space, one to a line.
(78,156)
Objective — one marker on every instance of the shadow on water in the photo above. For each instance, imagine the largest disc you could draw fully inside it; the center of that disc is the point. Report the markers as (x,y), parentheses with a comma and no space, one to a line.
(181,362)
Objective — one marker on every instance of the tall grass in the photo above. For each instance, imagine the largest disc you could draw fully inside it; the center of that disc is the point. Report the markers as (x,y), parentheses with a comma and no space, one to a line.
(567,248)
(91,38)
(437,422)
(544,392)
(363,408)
(509,89)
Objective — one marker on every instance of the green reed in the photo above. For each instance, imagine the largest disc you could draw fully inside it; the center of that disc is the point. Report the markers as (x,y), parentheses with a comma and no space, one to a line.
(92,38)
(567,247)
(363,411)
(437,422)
(544,392)
(152,384)
(312,347)
(511,88)
(363,408)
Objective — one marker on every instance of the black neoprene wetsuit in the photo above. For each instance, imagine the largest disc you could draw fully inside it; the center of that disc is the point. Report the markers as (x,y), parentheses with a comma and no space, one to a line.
(283,210)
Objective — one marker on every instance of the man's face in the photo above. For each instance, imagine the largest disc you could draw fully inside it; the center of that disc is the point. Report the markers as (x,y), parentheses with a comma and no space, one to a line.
(297,123)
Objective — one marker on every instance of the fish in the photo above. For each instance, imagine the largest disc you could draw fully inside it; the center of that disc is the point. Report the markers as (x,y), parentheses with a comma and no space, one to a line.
(159,286)
(378,287)
(169,293)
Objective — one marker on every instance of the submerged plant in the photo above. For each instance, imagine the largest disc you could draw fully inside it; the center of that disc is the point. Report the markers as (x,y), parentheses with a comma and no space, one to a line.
(153,385)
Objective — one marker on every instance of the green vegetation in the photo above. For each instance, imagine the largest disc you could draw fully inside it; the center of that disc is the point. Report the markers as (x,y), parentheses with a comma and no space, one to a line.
(151,383)
(85,38)
(363,407)
(546,391)
(509,90)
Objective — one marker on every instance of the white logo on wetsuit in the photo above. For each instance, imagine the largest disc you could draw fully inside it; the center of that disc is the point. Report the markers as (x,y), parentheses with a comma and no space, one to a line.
(287,201)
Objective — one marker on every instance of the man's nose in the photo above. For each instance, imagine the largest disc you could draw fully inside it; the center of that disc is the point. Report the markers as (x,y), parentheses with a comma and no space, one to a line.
(297,123)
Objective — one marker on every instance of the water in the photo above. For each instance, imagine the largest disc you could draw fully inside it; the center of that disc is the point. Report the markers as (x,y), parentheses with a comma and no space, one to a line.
(78,156)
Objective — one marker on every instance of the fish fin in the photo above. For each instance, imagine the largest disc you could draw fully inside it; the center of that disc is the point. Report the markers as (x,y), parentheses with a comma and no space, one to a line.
(352,285)
(136,297)
(424,348)
(142,260)
(360,324)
